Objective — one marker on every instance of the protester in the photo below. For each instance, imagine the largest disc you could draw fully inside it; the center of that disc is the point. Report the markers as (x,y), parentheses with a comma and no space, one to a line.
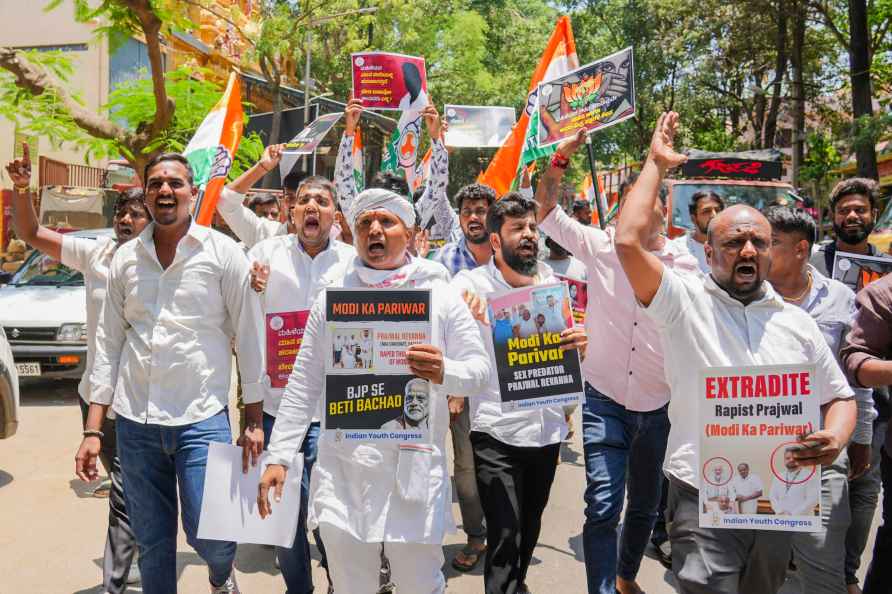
(624,418)
(562,262)
(854,210)
(296,269)
(471,250)
(515,453)
(819,556)
(867,356)
(265,206)
(163,363)
(90,257)
(704,207)
(582,212)
(711,321)
(409,512)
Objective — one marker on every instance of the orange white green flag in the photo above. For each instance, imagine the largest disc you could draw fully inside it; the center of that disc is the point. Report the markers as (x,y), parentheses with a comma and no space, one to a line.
(521,146)
(212,149)
(358,160)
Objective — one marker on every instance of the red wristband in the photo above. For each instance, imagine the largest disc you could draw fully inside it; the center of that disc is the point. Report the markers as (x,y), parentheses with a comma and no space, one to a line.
(559,161)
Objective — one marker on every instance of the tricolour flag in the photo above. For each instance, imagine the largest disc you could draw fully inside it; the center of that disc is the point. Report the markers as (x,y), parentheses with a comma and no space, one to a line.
(212,149)
(521,146)
(422,171)
(358,161)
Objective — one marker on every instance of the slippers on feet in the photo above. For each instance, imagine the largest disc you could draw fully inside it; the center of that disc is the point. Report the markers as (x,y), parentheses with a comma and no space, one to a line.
(472,557)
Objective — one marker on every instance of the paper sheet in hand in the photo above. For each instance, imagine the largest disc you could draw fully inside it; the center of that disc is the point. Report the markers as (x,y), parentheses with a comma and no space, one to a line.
(229,507)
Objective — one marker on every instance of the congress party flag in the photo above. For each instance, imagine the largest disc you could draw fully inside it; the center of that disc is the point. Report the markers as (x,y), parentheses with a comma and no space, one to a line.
(422,171)
(212,149)
(522,146)
(588,193)
(358,160)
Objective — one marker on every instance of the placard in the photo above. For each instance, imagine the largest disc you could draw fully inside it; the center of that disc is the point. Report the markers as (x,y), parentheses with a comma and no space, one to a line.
(526,324)
(284,334)
(370,392)
(751,421)
(595,96)
(472,126)
(308,139)
(387,81)
(578,291)
(856,271)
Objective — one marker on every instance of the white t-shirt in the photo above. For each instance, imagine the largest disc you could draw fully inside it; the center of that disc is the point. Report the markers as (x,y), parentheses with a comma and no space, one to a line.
(570,267)
(702,326)
(747,487)
(695,248)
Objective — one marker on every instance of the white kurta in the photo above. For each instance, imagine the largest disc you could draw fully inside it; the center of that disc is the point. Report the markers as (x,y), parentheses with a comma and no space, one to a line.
(379,492)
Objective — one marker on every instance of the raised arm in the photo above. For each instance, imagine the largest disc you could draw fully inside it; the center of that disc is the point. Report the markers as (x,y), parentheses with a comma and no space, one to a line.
(343,176)
(269,160)
(549,188)
(24,219)
(643,269)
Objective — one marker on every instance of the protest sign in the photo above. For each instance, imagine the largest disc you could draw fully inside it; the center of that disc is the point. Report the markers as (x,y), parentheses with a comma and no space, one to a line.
(370,392)
(229,504)
(478,127)
(388,81)
(751,420)
(595,96)
(856,271)
(284,333)
(306,142)
(578,290)
(533,371)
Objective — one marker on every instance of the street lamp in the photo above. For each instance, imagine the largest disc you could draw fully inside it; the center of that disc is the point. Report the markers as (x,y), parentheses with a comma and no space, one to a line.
(310,24)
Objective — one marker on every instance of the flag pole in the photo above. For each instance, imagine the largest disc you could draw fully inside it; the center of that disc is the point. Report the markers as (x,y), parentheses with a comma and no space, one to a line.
(595,186)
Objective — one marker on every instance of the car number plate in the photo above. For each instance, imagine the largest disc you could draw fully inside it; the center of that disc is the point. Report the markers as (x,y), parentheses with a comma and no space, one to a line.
(28,369)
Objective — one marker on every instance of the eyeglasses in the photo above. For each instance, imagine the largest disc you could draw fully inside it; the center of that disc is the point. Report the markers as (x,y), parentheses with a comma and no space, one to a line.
(479,212)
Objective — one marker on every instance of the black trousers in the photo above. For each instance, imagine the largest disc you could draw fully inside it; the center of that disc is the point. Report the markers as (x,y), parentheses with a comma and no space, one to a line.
(120,544)
(879,575)
(514,484)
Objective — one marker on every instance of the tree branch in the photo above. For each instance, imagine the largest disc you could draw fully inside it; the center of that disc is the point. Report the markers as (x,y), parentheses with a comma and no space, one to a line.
(37,81)
(151,26)
(828,21)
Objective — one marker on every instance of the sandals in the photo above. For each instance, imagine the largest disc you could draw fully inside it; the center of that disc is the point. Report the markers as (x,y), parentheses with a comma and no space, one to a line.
(473,556)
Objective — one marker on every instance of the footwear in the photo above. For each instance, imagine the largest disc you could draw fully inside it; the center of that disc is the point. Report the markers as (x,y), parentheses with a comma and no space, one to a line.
(230,587)
(523,589)
(661,552)
(472,556)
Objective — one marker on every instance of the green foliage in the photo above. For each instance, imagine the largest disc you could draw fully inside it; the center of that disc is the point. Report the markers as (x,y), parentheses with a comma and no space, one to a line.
(821,158)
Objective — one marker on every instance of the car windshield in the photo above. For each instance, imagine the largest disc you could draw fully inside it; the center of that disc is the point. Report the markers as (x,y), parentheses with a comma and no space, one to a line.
(756,196)
(41,270)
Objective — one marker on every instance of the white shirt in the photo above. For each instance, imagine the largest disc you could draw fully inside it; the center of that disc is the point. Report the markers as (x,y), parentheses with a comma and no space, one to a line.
(379,492)
(163,349)
(702,326)
(535,427)
(247,226)
(91,258)
(712,491)
(795,500)
(695,248)
(570,267)
(746,487)
(295,282)
(554,320)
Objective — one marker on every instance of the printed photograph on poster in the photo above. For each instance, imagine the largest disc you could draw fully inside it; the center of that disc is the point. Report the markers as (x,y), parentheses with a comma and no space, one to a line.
(308,139)
(472,126)
(856,271)
(595,96)
(578,290)
(752,420)
(370,392)
(383,80)
(533,371)
(284,334)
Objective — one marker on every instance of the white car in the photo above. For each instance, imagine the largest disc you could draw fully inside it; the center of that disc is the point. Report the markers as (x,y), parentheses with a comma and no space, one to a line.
(9,391)
(43,312)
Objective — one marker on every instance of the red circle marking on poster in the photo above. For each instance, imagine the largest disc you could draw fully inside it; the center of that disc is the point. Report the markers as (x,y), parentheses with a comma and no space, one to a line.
(814,469)
(730,474)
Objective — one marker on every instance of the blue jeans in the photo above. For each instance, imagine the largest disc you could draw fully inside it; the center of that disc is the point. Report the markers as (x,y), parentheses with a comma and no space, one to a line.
(295,562)
(617,443)
(155,461)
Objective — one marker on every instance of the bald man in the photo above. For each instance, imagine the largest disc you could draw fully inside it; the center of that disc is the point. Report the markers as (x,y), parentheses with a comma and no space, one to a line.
(730,318)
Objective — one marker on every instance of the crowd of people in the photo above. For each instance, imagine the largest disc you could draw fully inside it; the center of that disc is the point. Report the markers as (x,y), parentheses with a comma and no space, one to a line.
(167,300)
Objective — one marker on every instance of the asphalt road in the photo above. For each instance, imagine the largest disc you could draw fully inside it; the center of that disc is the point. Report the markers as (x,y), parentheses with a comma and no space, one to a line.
(54,531)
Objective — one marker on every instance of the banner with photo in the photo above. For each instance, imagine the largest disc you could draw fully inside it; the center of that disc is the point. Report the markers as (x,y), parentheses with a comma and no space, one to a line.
(752,419)
(472,126)
(856,271)
(526,325)
(578,290)
(306,142)
(594,96)
(383,80)
(284,334)
(370,393)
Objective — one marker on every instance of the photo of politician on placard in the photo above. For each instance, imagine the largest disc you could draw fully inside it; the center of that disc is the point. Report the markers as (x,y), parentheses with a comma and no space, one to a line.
(526,327)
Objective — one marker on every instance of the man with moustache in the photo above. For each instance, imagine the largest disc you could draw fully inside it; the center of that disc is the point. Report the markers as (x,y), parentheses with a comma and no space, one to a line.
(163,361)
(515,453)
(265,206)
(298,267)
(703,208)
(730,318)
(625,422)
(416,407)
(90,257)
(366,494)
(855,209)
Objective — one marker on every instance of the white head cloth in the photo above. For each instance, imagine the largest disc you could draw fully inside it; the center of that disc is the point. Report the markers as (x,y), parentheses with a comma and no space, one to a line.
(381,199)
